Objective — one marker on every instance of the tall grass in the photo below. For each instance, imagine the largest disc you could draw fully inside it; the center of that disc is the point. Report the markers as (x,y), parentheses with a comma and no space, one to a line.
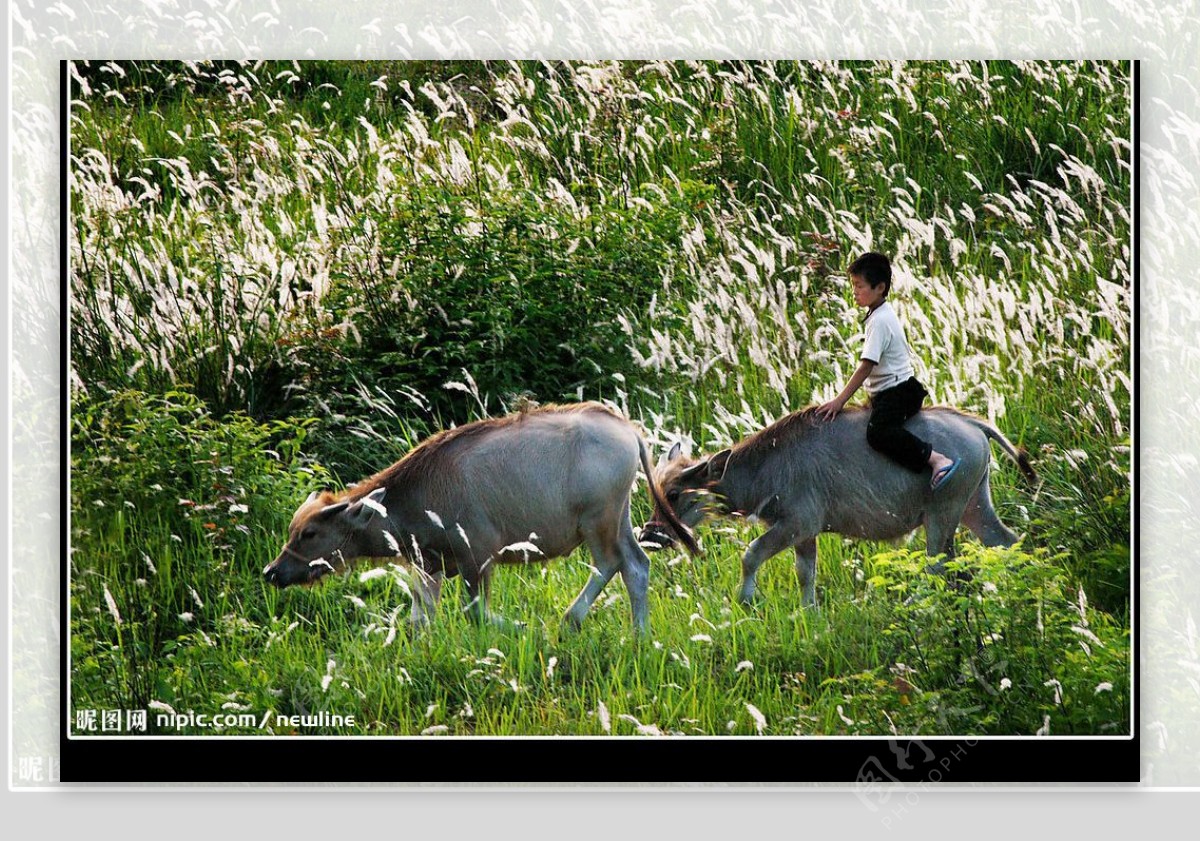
(279,269)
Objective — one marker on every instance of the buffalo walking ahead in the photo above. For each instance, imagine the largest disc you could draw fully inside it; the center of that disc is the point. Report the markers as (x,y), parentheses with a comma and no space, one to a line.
(801,477)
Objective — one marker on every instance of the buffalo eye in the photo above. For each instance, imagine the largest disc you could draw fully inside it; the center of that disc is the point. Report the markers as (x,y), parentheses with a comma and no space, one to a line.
(672,495)
(308,533)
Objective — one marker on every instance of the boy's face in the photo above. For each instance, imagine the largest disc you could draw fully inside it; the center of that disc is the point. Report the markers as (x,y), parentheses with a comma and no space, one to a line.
(866,295)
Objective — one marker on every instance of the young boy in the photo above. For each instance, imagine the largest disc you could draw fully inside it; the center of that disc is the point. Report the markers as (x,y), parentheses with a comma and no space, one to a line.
(896,395)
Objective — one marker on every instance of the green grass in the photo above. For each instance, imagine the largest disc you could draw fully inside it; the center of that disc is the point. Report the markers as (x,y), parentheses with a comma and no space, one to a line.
(704,661)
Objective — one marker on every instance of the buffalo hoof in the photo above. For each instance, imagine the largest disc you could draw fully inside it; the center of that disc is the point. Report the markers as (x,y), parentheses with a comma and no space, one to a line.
(748,601)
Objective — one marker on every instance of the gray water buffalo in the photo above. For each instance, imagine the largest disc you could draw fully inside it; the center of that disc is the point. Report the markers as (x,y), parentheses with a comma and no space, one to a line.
(528,487)
(802,476)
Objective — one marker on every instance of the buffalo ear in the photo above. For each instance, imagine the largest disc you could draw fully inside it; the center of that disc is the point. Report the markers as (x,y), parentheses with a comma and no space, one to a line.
(718,464)
(668,457)
(368,505)
(333,509)
(693,472)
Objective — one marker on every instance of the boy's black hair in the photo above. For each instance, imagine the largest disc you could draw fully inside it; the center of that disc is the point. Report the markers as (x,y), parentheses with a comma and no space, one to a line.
(875,268)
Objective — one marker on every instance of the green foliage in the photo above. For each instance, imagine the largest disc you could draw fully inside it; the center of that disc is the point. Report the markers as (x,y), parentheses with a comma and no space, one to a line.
(522,292)
(164,497)
(1086,513)
(165,456)
(1006,640)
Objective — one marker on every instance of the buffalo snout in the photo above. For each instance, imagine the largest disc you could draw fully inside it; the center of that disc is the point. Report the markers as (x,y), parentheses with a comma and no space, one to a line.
(283,572)
(273,575)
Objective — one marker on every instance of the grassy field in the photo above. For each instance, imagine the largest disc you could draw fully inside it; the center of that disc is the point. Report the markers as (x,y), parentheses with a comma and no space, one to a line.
(285,275)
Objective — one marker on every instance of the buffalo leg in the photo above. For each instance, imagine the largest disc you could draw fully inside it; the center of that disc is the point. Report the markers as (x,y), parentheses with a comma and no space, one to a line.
(606,561)
(982,519)
(479,591)
(477,576)
(635,570)
(939,542)
(939,537)
(806,570)
(427,591)
(772,542)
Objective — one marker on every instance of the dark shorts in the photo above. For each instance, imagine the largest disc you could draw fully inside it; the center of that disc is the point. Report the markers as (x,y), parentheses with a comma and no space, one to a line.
(885,431)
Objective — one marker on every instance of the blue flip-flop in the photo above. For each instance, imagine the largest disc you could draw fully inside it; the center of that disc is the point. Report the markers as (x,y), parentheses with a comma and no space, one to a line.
(939,479)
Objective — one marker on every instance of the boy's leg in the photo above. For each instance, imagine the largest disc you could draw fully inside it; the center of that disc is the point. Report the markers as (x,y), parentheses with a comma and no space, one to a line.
(885,431)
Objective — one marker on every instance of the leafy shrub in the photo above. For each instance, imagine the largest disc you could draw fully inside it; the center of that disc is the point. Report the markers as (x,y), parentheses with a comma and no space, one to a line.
(167,454)
(521,295)
(1013,647)
(165,501)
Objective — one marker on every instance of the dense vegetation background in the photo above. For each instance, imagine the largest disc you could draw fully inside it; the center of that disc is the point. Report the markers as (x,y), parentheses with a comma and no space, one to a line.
(283,275)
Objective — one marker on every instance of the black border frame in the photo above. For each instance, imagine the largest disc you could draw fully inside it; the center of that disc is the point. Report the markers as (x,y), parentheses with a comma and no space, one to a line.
(867,762)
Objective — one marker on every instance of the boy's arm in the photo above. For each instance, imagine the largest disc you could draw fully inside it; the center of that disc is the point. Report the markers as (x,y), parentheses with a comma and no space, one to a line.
(828,411)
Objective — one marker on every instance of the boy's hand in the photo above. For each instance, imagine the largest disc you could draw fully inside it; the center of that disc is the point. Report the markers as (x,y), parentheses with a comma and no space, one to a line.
(828,411)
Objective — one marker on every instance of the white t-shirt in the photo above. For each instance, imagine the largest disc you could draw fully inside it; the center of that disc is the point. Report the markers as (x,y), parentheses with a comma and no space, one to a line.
(885,346)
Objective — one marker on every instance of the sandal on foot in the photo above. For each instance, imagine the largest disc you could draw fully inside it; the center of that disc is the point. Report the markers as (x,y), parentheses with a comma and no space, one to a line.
(943,474)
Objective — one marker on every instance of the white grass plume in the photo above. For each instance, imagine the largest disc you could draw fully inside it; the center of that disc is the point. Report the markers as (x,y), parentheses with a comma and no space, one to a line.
(760,721)
(604,717)
(112,606)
